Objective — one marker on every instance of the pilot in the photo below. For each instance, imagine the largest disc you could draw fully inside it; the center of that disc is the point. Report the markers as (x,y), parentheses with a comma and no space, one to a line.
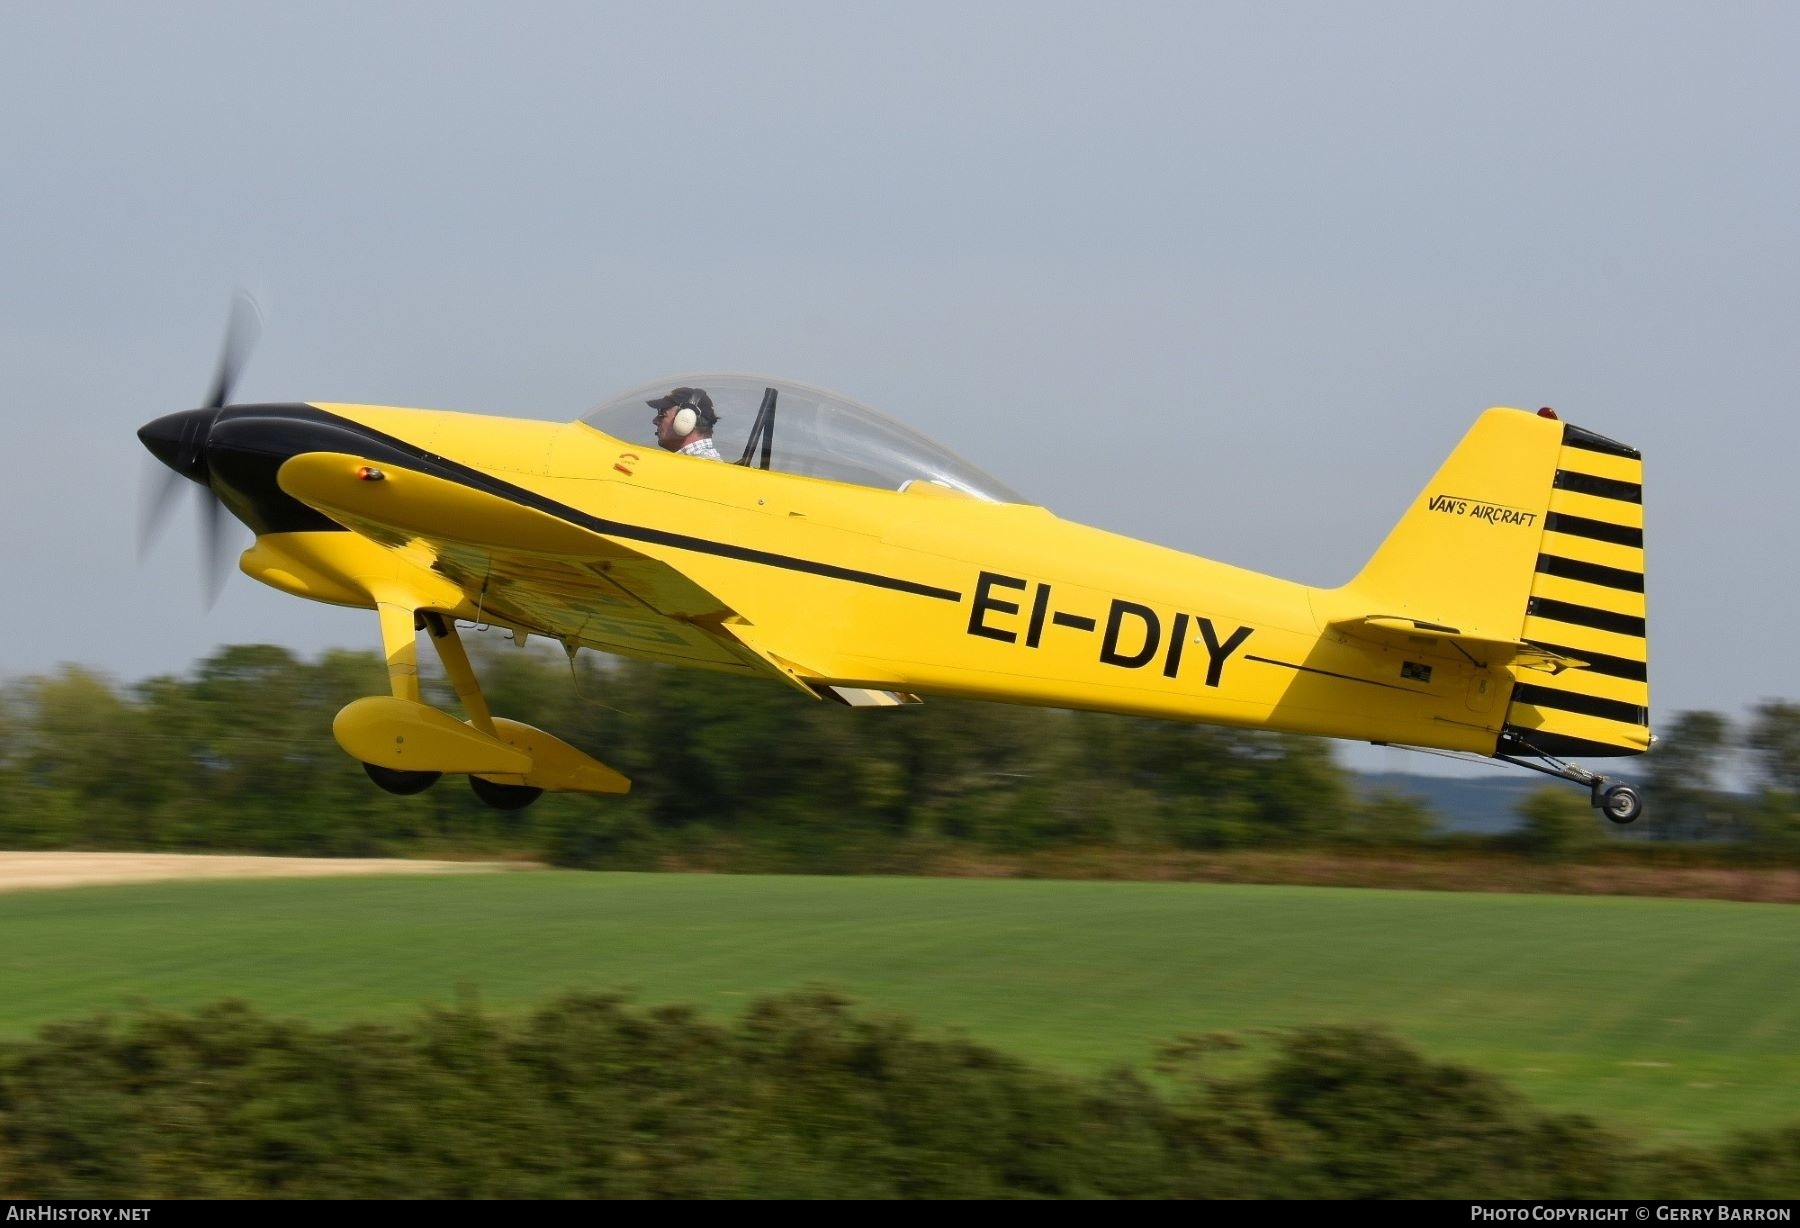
(684,422)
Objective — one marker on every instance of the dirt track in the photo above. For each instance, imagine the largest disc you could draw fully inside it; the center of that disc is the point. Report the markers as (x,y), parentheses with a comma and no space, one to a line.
(22,871)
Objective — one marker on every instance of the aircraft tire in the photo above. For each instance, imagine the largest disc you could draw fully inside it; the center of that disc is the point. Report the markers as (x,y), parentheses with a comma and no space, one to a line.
(405,783)
(504,797)
(1621,803)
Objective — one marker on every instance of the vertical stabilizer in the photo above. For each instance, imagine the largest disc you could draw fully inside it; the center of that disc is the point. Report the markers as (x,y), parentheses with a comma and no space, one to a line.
(1531,535)
(1465,552)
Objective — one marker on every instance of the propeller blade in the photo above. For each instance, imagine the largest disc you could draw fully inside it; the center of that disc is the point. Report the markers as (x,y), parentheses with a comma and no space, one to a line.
(156,497)
(179,441)
(242,327)
(215,549)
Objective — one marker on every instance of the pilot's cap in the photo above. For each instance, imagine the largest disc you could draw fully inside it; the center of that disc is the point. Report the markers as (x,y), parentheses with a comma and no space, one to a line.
(695,397)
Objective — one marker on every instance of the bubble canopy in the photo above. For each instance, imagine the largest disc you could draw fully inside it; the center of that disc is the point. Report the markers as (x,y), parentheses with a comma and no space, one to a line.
(789,427)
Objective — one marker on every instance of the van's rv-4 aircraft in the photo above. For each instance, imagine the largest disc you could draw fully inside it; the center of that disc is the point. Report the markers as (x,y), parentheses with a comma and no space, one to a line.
(840,553)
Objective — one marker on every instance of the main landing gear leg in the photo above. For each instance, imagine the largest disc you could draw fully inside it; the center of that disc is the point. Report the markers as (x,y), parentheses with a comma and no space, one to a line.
(1615,799)
(450,651)
(400,644)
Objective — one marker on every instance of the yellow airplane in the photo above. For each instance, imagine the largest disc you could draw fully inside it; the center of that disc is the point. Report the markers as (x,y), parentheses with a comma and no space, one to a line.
(841,553)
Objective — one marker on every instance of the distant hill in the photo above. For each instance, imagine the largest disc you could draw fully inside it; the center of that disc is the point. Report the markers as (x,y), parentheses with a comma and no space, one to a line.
(1486,804)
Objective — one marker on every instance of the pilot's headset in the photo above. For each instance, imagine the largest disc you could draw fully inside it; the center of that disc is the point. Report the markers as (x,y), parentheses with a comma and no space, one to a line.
(687,417)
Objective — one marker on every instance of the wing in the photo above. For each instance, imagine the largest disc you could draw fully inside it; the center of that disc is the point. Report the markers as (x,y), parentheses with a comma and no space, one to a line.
(524,567)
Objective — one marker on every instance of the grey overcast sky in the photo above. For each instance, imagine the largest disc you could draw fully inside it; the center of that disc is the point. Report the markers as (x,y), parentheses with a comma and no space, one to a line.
(1230,277)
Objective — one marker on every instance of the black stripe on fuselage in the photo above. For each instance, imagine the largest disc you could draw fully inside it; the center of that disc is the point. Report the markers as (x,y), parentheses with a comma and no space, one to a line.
(681,541)
(1591,573)
(245,447)
(442,467)
(1325,673)
(1595,530)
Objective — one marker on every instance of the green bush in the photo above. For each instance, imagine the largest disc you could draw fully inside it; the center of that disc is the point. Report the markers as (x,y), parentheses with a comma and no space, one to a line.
(801,1097)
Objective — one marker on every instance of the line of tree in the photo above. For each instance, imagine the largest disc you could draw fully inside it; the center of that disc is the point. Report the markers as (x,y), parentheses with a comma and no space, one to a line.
(237,755)
(1699,751)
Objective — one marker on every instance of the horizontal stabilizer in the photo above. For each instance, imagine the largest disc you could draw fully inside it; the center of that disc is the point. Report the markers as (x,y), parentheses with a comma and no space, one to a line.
(1398,631)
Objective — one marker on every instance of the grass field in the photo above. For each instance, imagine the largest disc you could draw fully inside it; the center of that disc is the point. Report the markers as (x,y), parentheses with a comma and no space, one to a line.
(1673,1020)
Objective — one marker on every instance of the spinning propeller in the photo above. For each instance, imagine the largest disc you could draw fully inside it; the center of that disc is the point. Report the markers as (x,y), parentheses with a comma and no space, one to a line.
(179,441)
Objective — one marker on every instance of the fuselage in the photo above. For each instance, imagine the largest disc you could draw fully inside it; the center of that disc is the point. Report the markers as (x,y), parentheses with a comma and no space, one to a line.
(921,590)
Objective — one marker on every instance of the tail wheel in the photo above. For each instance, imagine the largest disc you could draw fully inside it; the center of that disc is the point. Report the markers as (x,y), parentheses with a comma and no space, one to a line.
(504,797)
(404,783)
(1621,803)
